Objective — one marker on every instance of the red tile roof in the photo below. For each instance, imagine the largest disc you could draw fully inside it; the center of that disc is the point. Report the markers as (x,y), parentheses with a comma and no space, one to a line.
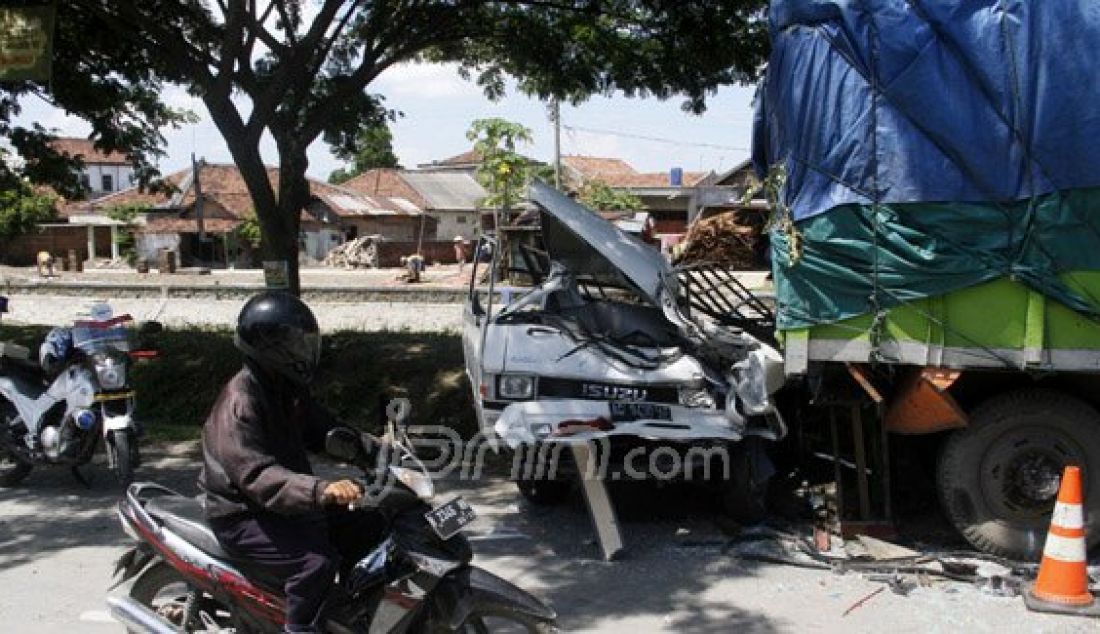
(599,168)
(85,149)
(616,172)
(656,179)
(224,191)
(466,158)
(385,182)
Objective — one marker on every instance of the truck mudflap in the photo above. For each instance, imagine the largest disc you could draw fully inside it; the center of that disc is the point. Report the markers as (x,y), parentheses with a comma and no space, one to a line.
(546,421)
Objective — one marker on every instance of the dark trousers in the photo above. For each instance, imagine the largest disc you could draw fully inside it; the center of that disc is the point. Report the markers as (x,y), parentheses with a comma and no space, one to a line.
(302,553)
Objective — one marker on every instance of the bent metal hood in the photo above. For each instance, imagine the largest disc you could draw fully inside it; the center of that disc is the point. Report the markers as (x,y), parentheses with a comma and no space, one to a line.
(593,248)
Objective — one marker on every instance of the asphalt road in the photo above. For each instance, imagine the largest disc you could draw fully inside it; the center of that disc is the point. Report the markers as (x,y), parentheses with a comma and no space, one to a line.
(58,543)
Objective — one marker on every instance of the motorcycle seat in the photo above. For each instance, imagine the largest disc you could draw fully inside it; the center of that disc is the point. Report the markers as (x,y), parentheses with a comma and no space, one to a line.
(185,517)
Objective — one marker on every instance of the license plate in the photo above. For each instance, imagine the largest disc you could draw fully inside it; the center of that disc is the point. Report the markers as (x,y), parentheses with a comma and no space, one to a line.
(627,412)
(448,519)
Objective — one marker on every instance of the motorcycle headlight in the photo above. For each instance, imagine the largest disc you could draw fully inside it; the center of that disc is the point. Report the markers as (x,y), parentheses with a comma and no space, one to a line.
(696,397)
(516,387)
(109,371)
(416,481)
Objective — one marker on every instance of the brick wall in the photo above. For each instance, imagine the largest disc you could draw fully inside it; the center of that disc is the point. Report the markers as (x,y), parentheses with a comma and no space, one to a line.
(23,250)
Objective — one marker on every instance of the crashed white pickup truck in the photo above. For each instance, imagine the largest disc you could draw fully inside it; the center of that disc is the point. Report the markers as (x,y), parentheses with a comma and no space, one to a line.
(615,346)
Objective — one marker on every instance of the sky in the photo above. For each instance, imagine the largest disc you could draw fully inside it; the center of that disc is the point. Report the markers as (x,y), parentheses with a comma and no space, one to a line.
(438,107)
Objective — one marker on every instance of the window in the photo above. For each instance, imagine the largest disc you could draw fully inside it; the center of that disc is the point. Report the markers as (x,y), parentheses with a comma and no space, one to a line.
(108,183)
(460,220)
(85,181)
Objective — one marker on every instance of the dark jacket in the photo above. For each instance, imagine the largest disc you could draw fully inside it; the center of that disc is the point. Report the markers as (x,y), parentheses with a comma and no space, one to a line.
(254,448)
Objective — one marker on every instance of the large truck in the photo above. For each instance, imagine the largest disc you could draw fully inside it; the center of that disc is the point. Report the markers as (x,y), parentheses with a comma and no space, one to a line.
(936,247)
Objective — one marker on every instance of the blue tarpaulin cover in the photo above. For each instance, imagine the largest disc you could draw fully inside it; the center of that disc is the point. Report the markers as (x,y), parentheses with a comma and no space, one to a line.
(930,100)
(927,146)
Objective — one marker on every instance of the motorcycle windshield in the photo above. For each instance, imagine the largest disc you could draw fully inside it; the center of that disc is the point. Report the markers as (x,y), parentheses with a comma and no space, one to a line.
(93,339)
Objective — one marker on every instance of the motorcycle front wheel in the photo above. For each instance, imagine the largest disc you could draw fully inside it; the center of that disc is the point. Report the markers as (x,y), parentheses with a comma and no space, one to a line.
(13,470)
(122,451)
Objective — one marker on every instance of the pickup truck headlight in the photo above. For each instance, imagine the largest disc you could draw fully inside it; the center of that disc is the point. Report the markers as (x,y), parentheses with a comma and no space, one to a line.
(696,397)
(516,387)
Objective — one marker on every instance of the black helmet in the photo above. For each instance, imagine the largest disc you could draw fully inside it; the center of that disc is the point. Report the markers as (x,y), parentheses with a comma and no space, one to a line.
(279,333)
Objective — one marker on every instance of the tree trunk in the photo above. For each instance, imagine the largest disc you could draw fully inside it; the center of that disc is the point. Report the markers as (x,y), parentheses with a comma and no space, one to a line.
(279,239)
(294,196)
(277,215)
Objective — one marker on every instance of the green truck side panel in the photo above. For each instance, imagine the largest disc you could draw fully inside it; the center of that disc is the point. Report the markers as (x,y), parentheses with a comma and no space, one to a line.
(1001,314)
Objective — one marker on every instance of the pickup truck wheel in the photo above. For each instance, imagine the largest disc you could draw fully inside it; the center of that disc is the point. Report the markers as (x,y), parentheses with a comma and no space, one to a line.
(744,496)
(544,492)
(998,478)
(541,473)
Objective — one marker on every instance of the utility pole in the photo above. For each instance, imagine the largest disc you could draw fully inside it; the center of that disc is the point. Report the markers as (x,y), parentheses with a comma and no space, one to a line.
(196,167)
(555,116)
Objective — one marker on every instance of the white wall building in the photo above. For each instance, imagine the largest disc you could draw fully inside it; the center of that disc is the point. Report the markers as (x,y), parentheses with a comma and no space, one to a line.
(103,173)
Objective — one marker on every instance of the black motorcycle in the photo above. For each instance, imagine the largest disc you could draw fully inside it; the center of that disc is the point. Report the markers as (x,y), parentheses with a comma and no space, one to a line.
(417,579)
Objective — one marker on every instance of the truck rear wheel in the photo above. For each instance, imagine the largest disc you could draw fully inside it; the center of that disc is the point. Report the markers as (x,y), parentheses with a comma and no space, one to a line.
(999,477)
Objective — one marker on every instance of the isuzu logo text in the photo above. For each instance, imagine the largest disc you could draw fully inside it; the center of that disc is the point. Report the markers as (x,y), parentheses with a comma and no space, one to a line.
(612,392)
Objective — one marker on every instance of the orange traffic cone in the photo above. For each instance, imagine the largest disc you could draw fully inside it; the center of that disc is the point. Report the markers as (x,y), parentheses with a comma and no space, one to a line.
(1063,582)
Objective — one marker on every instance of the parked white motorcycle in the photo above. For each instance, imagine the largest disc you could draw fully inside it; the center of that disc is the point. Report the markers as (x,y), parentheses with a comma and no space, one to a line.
(54,412)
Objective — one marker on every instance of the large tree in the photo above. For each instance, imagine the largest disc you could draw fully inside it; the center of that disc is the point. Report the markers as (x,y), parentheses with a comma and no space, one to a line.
(298,69)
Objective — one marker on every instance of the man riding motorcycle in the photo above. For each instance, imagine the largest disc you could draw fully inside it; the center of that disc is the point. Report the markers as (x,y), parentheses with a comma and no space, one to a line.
(261,498)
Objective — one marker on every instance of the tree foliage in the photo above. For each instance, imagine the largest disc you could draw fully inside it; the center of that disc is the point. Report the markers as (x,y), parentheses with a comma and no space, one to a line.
(598,195)
(371,148)
(503,171)
(21,208)
(112,83)
(249,230)
(298,70)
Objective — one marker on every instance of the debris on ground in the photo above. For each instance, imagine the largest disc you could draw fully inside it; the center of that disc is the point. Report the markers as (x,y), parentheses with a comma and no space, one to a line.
(898,584)
(734,239)
(863,600)
(361,252)
(878,549)
(901,569)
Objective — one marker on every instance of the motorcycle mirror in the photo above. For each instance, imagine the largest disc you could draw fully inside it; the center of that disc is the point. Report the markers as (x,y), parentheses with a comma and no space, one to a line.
(344,444)
(150,327)
(398,410)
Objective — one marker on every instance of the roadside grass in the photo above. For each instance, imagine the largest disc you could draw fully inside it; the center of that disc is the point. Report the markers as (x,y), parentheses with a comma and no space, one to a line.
(359,373)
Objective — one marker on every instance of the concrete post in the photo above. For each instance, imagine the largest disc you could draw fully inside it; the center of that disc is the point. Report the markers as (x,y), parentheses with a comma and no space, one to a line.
(91,242)
(114,242)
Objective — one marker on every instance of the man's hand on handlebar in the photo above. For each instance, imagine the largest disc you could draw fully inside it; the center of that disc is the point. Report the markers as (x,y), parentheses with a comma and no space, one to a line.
(341,493)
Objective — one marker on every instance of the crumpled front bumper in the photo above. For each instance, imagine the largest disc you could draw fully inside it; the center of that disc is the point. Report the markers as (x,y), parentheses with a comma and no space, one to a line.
(539,421)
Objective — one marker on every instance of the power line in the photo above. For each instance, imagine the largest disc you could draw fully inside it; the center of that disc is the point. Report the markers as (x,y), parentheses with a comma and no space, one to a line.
(654,139)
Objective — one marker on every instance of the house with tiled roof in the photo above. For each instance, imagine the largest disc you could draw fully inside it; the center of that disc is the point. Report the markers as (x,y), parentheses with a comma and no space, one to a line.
(103,172)
(201,228)
(452,198)
(671,198)
(467,161)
